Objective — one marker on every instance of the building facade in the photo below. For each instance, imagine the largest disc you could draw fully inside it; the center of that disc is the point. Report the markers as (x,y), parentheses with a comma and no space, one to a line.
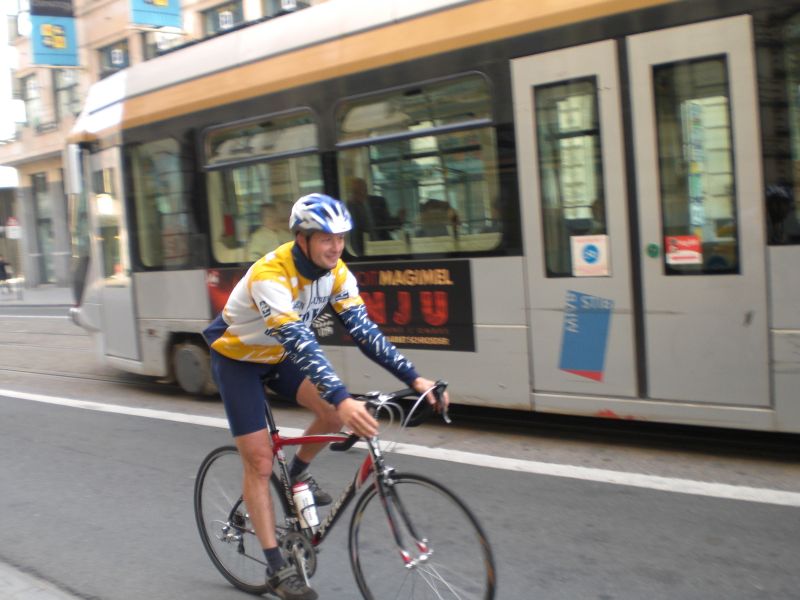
(48,99)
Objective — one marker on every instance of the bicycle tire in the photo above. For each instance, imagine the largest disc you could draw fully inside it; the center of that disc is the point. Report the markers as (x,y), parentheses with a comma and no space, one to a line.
(216,491)
(461,564)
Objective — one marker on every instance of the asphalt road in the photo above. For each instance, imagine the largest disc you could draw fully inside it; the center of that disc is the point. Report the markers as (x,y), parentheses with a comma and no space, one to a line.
(99,504)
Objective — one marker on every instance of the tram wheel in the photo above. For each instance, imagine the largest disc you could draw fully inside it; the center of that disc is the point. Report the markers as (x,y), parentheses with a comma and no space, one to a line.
(192,367)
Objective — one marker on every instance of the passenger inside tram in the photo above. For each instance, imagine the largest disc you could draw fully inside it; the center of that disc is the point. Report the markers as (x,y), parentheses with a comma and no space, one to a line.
(437,218)
(272,232)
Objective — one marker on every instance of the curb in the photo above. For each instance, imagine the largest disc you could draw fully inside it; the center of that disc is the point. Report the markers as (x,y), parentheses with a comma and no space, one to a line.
(18,585)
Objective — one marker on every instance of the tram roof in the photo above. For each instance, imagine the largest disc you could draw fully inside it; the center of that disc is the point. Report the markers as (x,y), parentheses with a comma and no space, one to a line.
(331,39)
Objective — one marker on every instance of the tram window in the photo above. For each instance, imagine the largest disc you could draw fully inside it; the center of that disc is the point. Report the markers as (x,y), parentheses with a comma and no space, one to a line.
(256,170)
(570,168)
(162,204)
(265,137)
(109,217)
(419,170)
(698,195)
(783,164)
(242,198)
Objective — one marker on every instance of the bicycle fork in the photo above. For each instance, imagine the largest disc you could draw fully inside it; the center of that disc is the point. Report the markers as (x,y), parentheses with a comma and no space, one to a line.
(393,506)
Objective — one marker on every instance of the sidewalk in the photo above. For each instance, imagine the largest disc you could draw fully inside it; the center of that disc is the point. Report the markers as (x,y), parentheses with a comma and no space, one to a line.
(42,295)
(17,585)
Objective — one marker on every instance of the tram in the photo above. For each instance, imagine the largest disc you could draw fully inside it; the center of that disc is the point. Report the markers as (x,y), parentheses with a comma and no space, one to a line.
(581,207)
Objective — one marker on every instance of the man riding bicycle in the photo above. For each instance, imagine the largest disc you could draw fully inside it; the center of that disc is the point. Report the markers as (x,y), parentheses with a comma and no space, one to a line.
(264,334)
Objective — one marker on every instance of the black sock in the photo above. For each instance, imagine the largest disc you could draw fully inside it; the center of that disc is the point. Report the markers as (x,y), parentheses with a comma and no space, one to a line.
(296,467)
(275,560)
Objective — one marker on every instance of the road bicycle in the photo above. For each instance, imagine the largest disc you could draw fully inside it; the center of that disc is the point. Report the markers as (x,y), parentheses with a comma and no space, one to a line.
(410,537)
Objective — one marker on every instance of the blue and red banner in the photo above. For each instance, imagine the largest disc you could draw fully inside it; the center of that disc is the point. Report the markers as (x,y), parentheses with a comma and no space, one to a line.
(587,320)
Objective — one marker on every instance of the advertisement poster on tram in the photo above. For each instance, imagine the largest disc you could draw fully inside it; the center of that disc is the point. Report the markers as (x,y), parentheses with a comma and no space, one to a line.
(425,305)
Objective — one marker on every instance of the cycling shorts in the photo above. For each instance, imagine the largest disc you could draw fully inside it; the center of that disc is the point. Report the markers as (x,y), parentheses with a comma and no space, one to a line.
(241,385)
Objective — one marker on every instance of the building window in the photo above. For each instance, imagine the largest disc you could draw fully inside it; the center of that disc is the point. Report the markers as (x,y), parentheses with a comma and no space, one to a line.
(33,100)
(113,58)
(274,8)
(65,89)
(222,17)
(156,43)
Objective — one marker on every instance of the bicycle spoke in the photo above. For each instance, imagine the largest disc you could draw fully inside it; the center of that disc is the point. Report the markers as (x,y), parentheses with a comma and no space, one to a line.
(233,547)
(458,564)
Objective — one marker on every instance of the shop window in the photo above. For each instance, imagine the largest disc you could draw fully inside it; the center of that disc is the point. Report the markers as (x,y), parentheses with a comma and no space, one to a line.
(45,239)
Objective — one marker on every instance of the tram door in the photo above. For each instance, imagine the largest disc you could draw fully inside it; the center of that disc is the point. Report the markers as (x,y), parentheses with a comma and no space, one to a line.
(111,250)
(698,164)
(574,206)
(699,292)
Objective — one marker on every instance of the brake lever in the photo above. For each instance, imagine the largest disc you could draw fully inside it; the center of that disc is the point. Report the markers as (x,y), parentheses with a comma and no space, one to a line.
(440,386)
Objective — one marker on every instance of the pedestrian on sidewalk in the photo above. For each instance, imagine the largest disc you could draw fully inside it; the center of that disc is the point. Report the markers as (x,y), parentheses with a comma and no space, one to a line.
(4,285)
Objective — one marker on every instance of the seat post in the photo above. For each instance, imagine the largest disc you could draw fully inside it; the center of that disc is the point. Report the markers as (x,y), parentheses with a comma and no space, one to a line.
(273,428)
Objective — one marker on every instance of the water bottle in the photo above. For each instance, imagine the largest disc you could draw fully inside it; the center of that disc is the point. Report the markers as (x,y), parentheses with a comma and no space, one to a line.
(304,504)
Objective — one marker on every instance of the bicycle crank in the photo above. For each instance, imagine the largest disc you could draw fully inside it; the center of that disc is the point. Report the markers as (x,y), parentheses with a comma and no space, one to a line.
(299,552)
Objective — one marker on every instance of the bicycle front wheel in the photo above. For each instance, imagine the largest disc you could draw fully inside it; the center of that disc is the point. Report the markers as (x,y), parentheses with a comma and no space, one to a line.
(224,521)
(454,563)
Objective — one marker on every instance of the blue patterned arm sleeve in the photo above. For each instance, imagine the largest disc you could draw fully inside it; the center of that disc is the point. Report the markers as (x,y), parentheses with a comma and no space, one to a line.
(304,351)
(375,345)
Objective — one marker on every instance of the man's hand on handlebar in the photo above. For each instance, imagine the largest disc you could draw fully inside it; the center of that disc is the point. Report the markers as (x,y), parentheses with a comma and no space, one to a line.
(421,385)
(356,418)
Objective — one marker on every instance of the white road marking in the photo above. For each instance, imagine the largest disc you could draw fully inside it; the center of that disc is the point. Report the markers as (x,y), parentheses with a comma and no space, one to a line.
(34,317)
(654,482)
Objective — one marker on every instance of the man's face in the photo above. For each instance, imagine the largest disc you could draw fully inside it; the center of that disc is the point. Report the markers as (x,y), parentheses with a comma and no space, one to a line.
(325,249)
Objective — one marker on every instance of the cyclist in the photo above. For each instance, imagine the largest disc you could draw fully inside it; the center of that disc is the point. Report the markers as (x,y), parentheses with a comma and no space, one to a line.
(264,332)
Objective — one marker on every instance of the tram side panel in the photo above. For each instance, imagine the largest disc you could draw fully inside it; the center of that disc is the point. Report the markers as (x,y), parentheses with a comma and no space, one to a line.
(785,335)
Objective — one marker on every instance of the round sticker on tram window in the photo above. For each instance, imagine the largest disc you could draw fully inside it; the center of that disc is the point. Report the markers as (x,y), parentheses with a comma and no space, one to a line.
(652,250)
(591,254)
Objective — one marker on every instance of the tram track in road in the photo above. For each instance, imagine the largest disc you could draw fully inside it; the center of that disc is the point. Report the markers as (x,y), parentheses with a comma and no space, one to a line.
(154,385)
(634,434)
(620,433)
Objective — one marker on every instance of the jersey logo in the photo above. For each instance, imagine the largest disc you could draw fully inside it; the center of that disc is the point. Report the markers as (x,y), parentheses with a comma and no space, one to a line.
(343,296)
(323,325)
(265,310)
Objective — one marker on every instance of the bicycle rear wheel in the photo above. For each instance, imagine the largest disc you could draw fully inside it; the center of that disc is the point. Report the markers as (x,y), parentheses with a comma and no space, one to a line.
(224,522)
(460,564)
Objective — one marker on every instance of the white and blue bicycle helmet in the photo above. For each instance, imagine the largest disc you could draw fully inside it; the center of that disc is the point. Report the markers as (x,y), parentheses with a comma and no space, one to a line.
(318,212)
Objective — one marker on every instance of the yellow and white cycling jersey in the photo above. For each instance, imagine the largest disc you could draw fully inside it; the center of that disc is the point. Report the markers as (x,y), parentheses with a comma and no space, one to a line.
(274,293)
(268,315)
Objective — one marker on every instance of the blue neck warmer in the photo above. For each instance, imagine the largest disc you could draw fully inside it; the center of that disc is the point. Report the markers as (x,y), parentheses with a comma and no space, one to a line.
(307,268)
